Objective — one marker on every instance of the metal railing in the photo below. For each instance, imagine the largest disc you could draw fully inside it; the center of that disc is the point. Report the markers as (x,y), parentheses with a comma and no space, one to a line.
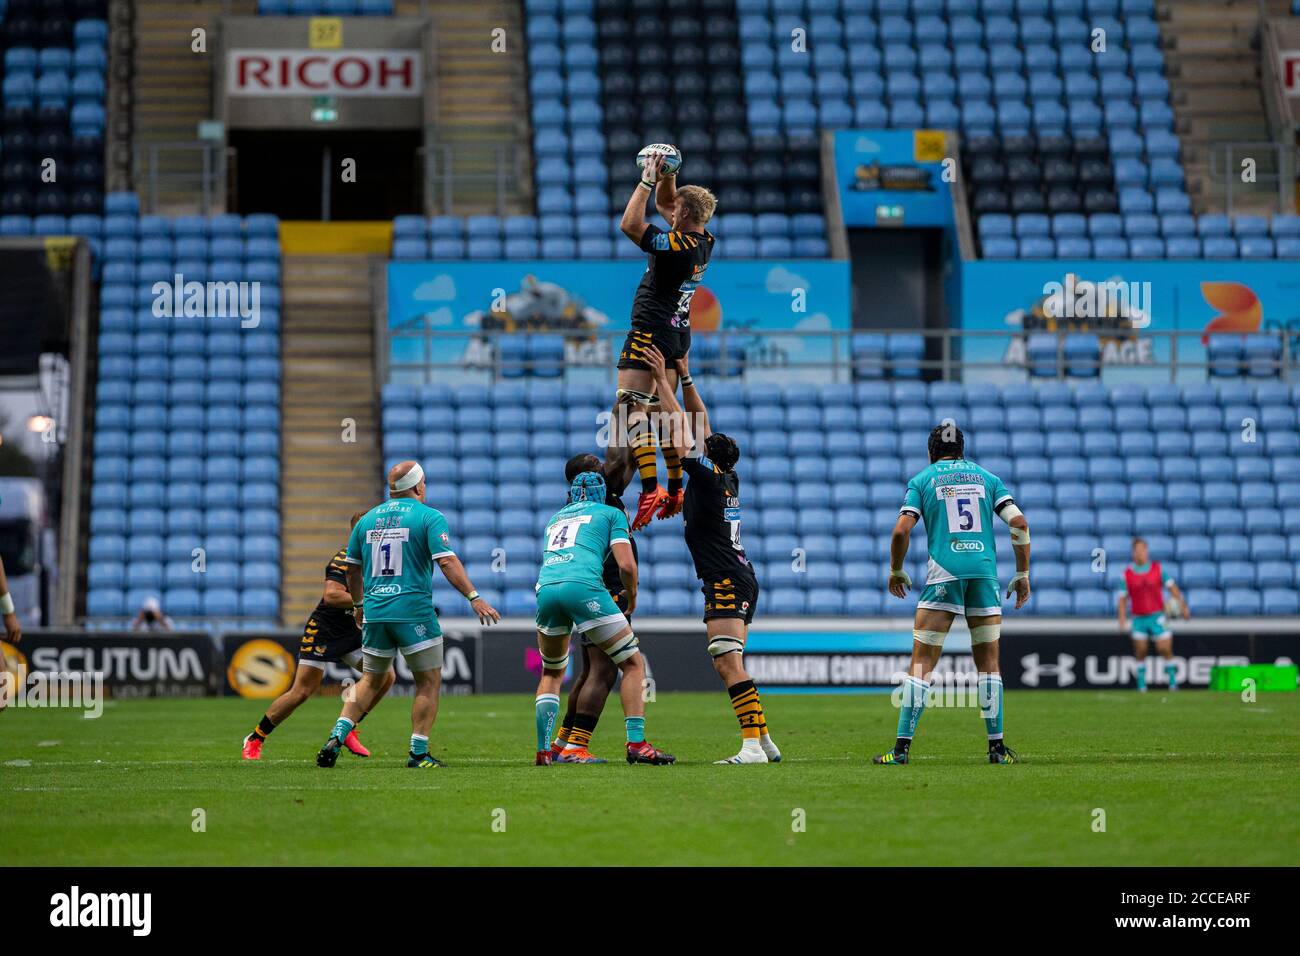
(207,176)
(465,172)
(1125,355)
(1273,170)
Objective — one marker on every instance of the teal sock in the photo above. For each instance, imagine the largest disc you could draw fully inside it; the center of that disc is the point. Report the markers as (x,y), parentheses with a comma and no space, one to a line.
(343,727)
(1142,675)
(910,706)
(548,708)
(419,745)
(635,729)
(1171,670)
(990,697)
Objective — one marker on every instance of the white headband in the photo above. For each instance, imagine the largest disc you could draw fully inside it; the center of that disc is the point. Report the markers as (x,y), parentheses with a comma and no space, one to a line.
(410,479)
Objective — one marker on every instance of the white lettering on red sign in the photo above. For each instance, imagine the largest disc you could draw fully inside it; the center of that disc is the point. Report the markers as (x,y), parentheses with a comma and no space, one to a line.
(1291,72)
(323,73)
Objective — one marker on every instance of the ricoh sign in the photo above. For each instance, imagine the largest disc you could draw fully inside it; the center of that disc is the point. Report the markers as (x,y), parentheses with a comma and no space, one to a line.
(388,73)
(275,73)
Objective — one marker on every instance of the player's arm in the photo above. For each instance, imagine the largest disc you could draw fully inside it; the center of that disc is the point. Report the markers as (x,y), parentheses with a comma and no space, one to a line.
(633,223)
(1178,596)
(899,581)
(666,195)
(455,574)
(692,400)
(678,436)
(355,580)
(1121,609)
(1006,509)
(337,595)
(627,571)
(13,630)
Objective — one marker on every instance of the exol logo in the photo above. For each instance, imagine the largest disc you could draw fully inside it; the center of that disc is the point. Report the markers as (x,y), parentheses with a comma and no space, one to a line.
(1062,670)
(558,559)
(967,545)
(384,590)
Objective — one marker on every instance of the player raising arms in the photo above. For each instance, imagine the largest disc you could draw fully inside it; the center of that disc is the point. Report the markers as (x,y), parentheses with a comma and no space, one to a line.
(571,596)
(957,499)
(330,635)
(390,559)
(1143,580)
(712,528)
(591,688)
(660,318)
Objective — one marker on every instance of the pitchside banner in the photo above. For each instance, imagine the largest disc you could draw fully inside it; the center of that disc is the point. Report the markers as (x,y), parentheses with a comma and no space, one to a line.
(893,177)
(261,665)
(873,661)
(1122,301)
(589,304)
(132,665)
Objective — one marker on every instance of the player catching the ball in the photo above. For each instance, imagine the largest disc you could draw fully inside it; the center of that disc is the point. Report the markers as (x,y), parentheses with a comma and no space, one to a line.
(660,318)
(957,499)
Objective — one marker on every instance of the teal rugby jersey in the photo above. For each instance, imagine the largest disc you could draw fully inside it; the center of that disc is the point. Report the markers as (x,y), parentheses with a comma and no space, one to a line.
(957,500)
(578,537)
(396,544)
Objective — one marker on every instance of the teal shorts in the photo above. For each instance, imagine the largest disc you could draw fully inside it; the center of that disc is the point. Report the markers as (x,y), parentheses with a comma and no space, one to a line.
(386,638)
(1150,627)
(972,597)
(578,607)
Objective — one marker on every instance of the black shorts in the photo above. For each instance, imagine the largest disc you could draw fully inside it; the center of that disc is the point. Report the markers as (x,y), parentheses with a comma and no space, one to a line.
(730,594)
(671,343)
(329,640)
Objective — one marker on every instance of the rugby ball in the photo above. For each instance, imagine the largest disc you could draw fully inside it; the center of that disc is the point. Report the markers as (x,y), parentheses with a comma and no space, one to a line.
(672,162)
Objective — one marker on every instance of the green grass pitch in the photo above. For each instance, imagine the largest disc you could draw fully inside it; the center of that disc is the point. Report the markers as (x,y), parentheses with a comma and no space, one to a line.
(1191,778)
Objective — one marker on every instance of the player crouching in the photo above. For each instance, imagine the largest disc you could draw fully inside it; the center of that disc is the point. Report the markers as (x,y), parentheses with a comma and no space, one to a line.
(957,499)
(571,596)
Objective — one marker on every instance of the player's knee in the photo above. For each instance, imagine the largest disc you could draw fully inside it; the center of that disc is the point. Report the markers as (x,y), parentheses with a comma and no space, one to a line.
(723,644)
(985,633)
(555,663)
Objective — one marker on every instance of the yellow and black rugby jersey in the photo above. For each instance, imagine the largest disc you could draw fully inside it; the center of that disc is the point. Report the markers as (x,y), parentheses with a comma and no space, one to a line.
(674,270)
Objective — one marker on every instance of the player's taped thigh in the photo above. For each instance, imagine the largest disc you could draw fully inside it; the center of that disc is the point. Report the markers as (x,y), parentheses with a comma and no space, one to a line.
(985,633)
(722,643)
(376,662)
(632,396)
(932,638)
(554,649)
(425,659)
(620,649)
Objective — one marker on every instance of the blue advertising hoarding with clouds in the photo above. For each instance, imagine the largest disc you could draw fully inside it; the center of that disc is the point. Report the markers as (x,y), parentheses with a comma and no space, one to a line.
(1123,301)
(588,304)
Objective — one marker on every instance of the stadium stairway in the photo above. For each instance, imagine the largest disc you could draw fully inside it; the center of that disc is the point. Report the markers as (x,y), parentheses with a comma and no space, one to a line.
(1213,68)
(326,344)
(172,88)
(482,99)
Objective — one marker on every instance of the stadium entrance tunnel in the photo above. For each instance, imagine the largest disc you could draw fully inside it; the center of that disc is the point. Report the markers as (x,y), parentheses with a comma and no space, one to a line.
(352,174)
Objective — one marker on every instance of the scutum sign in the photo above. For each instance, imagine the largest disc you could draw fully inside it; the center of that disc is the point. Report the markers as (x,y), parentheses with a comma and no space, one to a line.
(323,72)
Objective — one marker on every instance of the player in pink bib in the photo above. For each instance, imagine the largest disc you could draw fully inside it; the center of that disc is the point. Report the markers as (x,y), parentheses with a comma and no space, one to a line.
(1144,582)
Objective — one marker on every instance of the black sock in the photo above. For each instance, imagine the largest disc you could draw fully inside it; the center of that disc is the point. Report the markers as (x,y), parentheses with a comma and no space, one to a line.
(997,746)
(264,727)
(902,745)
